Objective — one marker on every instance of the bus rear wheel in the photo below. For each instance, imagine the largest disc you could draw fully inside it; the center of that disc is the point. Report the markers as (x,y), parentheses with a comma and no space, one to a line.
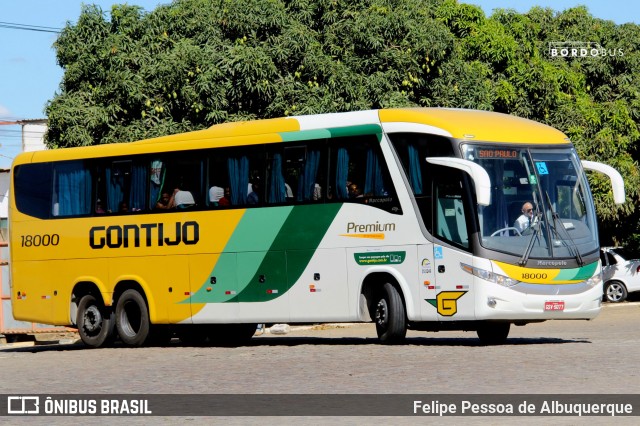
(132,318)
(389,315)
(95,322)
(493,333)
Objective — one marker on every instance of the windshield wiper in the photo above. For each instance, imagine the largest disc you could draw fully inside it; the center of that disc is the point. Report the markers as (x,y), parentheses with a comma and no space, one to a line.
(536,226)
(573,248)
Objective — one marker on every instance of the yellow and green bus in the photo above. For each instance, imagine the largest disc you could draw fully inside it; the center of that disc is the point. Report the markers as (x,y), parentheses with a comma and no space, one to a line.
(405,217)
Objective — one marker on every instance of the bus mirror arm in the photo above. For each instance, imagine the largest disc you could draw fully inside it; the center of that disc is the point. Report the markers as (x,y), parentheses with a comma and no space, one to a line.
(478,174)
(617,183)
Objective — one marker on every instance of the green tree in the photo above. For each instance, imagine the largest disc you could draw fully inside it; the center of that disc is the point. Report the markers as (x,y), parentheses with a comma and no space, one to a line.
(130,74)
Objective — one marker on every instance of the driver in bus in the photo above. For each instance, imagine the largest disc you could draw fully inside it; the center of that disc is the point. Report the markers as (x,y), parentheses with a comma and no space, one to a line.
(525,220)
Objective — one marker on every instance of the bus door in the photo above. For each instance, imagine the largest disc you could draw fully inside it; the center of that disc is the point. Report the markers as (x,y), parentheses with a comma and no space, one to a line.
(454,298)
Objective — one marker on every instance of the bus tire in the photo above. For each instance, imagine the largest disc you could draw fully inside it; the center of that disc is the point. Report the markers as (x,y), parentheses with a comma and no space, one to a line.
(132,318)
(389,315)
(95,322)
(493,333)
(231,334)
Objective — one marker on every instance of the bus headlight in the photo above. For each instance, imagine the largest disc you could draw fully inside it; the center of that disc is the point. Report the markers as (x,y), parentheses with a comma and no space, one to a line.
(594,280)
(489,276)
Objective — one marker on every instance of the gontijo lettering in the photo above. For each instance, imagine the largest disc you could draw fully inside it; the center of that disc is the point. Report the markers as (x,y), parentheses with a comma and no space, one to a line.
(153,234)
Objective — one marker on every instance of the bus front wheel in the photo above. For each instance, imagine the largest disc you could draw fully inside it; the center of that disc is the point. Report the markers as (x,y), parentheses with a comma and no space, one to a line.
(132,318)
(95,322)
(389,315)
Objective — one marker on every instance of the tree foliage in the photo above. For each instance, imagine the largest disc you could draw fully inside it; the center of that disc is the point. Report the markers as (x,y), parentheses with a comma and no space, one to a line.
(189,64)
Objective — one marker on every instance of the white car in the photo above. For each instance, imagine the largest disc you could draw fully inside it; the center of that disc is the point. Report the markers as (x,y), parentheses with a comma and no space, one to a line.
(620,273)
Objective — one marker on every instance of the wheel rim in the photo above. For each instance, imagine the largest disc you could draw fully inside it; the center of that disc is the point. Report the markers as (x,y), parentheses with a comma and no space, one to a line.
(614,292)
(382,312)
(92,320)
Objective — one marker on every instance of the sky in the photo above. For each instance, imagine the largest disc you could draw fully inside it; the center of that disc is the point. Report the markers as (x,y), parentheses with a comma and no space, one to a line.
(30,76)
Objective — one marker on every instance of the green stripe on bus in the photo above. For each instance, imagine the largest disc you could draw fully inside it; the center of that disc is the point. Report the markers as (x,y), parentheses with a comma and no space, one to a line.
(583,273)
(243,254)
(362,129)
(255,271)
(302,232)
(257,229)
(335,132)
(305,135)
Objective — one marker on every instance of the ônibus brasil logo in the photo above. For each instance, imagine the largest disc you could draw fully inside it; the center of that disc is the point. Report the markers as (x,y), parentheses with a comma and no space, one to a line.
(580,49)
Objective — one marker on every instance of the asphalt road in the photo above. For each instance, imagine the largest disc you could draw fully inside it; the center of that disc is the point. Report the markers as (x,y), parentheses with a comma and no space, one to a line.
(601,356)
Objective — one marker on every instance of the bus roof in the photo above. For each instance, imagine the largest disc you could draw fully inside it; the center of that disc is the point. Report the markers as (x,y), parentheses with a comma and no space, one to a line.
(472,125)
(478,125)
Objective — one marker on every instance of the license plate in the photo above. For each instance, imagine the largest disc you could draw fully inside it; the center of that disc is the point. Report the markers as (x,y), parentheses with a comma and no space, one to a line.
(554,306)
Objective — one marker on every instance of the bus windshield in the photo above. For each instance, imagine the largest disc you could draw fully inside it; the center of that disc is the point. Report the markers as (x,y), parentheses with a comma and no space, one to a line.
(541,207)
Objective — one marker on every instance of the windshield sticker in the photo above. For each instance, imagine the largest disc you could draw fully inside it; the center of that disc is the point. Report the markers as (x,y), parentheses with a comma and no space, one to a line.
(437,253)
(542,168)
(446,302)
(387,258)
(533,180)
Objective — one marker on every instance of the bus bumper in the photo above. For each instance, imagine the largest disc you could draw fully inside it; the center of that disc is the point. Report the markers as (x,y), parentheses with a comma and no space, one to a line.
(495,302)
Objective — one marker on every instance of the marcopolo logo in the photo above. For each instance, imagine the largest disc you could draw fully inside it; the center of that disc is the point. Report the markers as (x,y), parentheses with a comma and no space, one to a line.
(581,49)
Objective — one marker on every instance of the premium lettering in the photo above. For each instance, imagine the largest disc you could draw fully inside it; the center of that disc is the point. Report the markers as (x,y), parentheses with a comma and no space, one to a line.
(370,227)
(145,235)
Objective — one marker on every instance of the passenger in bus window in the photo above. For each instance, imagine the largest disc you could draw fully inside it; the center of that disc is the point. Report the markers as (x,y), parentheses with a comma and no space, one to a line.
(317,192)
(123,207)
(215,193)
(253,197)
(183,199)
(99,207)
(165,202)
(288,193)
(226,199)
(354,191)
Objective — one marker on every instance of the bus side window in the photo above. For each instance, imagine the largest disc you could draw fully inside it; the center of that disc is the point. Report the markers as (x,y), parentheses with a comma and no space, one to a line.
(276,184)
(32,189)
(72,191)
(301,172)
(359,173)
(117,184)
